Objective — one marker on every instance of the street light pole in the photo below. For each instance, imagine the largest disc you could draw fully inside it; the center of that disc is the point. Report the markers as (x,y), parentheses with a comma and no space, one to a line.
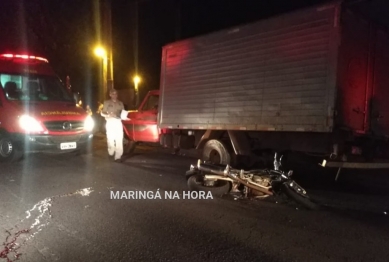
(106,41)
(108,23)
(101,53)
(105,77)
(137,95)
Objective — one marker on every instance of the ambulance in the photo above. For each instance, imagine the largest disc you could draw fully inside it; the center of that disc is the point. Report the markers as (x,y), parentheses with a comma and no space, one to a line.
(37,112)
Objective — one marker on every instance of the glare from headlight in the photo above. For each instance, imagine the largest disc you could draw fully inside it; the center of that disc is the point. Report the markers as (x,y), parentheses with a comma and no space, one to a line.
(89,124)
(30,124)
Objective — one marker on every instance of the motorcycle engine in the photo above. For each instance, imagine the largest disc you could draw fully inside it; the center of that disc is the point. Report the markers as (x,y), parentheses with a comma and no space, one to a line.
(260,180)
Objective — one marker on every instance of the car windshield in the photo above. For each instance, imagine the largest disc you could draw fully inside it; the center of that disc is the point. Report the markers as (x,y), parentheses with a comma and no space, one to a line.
(152,103)
(34,88)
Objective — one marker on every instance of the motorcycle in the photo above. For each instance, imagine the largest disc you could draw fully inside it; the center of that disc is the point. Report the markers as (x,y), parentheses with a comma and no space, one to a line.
(258,183)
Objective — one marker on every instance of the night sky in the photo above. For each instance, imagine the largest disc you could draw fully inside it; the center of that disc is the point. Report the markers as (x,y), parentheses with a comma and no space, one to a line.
(65,31)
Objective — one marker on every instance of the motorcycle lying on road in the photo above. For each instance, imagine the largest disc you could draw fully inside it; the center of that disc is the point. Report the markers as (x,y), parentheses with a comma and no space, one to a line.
(259,183)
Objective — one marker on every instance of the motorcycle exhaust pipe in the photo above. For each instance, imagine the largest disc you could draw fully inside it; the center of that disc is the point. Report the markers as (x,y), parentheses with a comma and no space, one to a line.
(217,177)
(210,169)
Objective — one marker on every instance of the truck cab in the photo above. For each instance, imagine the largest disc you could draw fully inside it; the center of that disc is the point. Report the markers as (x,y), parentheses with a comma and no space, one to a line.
(37,112)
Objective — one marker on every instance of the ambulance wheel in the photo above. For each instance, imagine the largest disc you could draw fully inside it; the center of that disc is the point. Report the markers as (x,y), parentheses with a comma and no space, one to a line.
(9,152)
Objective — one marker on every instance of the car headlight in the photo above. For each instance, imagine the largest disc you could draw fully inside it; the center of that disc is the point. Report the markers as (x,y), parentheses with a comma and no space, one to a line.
(89,124)
(30,124)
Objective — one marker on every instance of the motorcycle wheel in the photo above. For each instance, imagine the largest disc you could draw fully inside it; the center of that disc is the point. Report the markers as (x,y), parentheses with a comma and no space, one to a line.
(221,187)
(306,202)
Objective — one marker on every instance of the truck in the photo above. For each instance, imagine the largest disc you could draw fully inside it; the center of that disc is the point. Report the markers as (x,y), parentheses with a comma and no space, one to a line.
(313,81)
(37,112)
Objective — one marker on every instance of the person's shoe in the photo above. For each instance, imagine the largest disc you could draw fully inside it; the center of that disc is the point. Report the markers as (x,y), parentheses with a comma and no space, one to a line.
(119,160)
(111,157)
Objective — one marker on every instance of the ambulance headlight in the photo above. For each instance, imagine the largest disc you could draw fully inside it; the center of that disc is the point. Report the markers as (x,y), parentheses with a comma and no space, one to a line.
(89,124)
(30,124)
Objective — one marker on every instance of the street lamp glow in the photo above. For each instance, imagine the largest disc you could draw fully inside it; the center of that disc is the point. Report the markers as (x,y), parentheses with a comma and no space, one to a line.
(136,80)
(100,52)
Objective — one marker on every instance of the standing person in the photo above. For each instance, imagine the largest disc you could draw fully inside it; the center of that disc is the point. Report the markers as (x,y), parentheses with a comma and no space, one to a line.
(111,111)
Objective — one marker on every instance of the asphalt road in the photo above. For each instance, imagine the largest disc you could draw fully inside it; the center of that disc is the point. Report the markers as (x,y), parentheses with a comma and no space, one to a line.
(59,208)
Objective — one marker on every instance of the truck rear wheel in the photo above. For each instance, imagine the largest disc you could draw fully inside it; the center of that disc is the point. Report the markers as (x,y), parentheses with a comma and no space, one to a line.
(9,151)
(216,152)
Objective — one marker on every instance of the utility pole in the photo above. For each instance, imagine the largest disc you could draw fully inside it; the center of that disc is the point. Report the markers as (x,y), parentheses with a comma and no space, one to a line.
(178,20)
(106,36)
(136,35)
(136,50)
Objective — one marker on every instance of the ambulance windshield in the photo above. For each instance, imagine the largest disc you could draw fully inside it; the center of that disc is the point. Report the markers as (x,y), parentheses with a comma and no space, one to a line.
(34,88)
